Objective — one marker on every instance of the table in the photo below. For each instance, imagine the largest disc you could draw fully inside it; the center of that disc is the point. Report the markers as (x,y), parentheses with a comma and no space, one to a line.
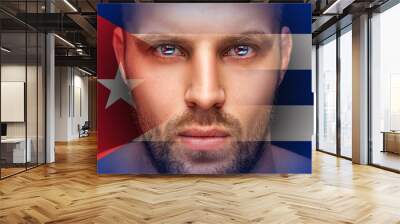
(391,141)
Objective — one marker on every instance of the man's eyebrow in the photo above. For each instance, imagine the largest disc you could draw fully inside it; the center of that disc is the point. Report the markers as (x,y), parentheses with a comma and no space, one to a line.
(261,37)
(158,37)
(155,39)
(253,32)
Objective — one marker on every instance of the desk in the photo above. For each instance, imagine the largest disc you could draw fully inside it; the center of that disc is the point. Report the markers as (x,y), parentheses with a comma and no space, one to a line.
(391,141)
(16,147)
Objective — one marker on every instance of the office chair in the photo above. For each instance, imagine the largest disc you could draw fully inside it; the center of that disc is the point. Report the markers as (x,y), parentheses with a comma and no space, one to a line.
(84,130)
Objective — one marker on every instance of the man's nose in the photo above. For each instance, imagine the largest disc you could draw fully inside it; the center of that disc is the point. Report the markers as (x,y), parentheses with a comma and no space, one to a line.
(205,90)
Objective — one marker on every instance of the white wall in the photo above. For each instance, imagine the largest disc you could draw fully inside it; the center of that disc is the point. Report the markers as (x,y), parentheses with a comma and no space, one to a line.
(12,73)
(62,82)
(16,73)
(80,85)
(71,93)
(314,90)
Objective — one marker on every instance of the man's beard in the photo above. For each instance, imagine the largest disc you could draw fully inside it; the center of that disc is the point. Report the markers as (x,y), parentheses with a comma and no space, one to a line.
(239,156)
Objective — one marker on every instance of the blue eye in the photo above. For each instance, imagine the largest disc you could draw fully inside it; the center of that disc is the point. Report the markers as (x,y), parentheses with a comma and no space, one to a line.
(241,51)
(168,50)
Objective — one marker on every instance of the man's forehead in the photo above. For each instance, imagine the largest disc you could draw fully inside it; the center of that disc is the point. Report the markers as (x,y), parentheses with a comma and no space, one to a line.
(204,18)
(257,36)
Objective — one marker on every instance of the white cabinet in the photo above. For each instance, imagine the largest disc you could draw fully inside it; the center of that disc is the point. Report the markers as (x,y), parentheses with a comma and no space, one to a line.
(17,145)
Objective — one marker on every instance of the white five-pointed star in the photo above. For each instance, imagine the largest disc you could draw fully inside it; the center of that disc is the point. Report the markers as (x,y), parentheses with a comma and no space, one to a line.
(119,90)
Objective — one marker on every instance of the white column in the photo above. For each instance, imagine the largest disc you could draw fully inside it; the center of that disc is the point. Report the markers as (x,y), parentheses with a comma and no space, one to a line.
(50,100)
(360,90)
(50,92)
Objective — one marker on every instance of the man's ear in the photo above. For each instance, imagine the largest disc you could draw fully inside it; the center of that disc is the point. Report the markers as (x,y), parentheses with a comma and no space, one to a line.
(118,42)
(286,51)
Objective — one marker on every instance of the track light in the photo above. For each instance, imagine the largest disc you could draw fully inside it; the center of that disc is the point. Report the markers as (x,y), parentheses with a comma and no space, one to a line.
(70,5)
(65,41)
(84,71)
(337,7)
(5,50)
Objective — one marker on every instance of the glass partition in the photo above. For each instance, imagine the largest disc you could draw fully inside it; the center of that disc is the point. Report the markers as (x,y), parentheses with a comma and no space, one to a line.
(32,96)
(22,88)
(41,96)
(14,144)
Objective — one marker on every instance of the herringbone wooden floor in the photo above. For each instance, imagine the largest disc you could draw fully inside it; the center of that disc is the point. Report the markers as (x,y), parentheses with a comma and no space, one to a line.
(70,191)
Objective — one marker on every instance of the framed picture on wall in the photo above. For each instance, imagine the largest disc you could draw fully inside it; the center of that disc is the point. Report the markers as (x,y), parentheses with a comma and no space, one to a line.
(12,101)
(204,88)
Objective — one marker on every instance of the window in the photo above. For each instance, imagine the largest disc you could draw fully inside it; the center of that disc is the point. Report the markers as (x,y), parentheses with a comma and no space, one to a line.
(327,96)
(385,89)
(346,92)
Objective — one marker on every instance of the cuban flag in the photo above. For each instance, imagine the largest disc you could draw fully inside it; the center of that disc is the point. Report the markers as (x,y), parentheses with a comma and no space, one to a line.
(120,132)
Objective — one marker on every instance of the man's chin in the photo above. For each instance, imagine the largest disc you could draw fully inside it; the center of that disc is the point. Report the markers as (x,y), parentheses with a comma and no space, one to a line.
(205,168)
(204,162)
(205,156)
(176,159)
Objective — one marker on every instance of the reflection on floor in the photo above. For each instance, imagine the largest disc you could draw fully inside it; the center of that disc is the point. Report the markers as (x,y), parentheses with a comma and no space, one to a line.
(346,152)
(10,169)
(70,191)
(387,159)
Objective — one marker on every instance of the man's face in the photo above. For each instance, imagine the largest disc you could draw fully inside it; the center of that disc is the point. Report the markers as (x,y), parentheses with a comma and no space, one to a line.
(208,75)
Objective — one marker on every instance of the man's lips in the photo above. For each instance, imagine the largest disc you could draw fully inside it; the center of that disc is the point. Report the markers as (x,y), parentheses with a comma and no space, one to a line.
(200,139)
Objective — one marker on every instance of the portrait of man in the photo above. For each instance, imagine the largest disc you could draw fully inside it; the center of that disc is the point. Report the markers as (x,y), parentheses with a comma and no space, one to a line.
(203,80)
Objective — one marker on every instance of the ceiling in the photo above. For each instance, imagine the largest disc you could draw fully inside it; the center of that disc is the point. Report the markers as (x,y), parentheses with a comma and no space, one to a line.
(76,23)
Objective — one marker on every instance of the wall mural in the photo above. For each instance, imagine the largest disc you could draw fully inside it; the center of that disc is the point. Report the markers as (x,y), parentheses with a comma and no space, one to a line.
(204,88)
